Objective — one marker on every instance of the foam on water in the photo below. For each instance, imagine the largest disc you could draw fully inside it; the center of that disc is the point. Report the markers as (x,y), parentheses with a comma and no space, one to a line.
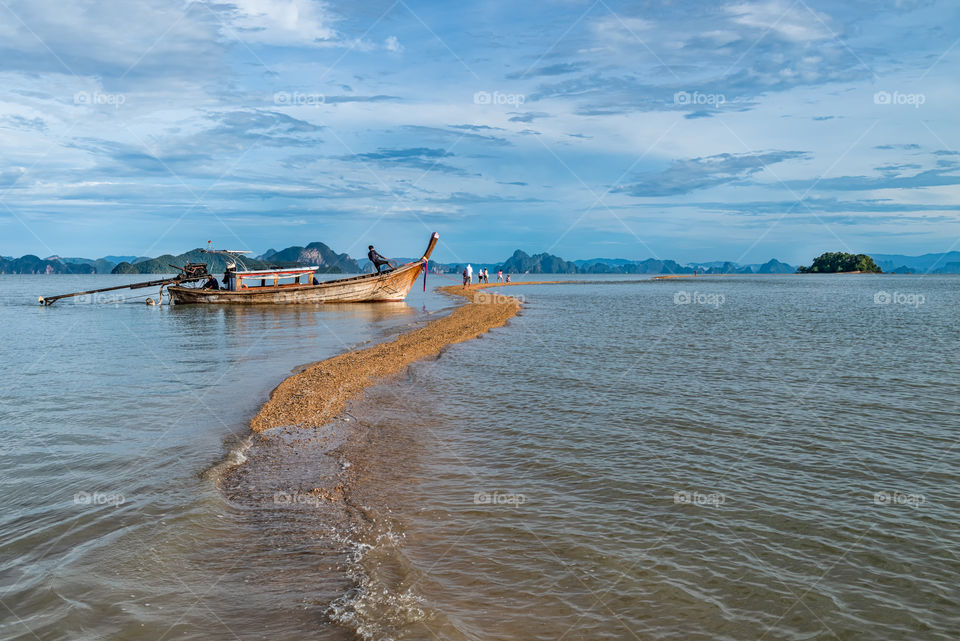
(378,607)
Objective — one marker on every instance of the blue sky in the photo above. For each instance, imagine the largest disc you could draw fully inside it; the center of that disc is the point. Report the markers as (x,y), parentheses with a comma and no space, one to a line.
(687,130)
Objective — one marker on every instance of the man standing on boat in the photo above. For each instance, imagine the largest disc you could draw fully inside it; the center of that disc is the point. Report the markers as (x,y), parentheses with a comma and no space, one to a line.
(378,260)
(228,275)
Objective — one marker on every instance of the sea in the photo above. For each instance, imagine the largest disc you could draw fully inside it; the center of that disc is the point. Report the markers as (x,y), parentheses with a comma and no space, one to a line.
(733,458)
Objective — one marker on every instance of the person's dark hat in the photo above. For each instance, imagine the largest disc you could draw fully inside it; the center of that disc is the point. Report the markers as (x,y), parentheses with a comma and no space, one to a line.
(370,247)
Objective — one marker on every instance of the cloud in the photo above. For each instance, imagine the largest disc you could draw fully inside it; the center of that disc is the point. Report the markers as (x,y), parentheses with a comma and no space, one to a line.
(11,176)
(614,30)
(25,124)
(477,127)
(465,198)
(790,20)
(200,151)
(897,168)
(929,178)
(527,117)
(557,69)
(907,146)
(107,41)
(424,158)
(685,176)
(392,45)
(279,22)
(336,100)
(246,122)
(796,207)
(438,133)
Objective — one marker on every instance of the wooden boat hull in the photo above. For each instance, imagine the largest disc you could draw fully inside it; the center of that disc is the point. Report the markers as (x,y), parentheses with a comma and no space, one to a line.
(389,286)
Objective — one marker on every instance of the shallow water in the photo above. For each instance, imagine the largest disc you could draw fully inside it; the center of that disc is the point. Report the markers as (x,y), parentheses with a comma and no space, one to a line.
(117,420)
(774,459)
(725,458)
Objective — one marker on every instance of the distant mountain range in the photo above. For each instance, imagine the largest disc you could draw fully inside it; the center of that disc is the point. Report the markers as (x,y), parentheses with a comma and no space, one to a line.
(313,254)
(31,264)
(319,254)
(521,263)
(946,263)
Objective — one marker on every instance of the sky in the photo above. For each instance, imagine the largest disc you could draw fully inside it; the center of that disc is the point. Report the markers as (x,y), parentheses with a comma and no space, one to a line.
(691,131)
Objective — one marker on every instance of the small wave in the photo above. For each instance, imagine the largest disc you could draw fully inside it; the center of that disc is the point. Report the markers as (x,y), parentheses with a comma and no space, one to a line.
(375,608)
(236,455)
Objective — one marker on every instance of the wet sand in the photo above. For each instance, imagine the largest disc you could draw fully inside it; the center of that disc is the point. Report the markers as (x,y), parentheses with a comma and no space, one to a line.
(320,392)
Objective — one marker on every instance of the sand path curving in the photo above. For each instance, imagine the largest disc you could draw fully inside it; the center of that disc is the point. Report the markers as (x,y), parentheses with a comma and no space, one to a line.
(315,395)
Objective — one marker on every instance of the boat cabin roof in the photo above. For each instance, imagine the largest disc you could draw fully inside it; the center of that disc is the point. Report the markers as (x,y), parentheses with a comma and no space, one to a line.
(290,271)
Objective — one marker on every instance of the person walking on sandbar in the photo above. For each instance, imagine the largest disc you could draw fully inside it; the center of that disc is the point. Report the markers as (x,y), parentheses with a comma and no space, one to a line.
(378,260)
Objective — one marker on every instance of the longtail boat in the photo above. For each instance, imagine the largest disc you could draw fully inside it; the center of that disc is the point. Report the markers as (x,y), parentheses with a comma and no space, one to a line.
(297,286)
(281,286)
